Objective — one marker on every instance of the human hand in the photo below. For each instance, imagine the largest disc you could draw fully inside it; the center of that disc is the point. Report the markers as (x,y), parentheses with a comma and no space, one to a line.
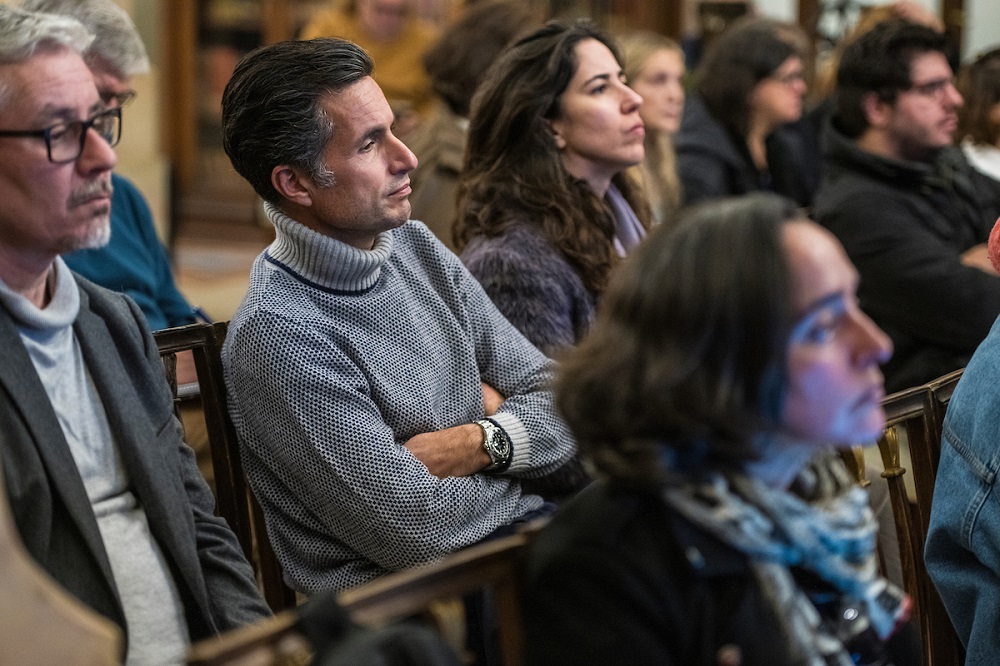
(492,399)
(977,256)
(917,13)
(454,451)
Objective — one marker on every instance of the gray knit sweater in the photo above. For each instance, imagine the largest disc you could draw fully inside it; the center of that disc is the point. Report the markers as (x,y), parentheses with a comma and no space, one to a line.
(335,358)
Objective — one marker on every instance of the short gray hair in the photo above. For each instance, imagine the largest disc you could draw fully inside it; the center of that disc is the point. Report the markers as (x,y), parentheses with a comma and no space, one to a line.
(116,41)
(23,34)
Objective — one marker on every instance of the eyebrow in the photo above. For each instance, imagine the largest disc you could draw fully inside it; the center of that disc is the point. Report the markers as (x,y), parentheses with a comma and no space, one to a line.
(603,77)
(373,134)
(50,113)
(836,299)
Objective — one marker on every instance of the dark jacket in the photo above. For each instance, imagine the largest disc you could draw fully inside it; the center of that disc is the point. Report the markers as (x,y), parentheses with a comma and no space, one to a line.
(618,578)
(712,162)
(49,502)
(905,226)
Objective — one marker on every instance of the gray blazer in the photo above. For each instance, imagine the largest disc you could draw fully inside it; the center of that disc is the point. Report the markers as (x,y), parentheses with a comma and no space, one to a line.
(48,498)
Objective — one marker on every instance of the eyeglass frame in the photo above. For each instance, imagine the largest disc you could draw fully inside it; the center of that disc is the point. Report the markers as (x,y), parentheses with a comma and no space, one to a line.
(789,79)
(85,126)
(933,89)
(120,99)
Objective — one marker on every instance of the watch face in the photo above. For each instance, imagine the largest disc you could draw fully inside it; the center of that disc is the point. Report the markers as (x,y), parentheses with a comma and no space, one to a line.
(495,443)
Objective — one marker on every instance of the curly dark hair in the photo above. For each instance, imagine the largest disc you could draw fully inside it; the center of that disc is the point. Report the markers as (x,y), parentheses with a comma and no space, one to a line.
(513,171)
(688,349)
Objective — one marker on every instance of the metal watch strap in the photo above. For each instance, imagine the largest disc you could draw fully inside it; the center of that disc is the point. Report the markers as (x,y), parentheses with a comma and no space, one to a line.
(497,444)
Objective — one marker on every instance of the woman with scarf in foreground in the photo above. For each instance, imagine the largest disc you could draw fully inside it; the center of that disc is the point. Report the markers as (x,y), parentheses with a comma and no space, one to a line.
(728,355)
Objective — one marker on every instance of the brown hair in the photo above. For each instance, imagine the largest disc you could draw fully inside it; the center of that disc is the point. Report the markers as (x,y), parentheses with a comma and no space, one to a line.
(513,171)
(688,350)
(979,83)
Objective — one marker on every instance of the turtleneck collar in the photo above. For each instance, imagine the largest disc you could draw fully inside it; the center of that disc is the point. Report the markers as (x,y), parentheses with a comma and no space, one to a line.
(322,260)
(61,311)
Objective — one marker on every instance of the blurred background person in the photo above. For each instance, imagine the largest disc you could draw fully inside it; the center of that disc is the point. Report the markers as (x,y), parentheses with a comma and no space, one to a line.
(749,85)
(979,117)
(729,355)
(134,261)
(654,67)
(544,207)
(456,64)
(396,39)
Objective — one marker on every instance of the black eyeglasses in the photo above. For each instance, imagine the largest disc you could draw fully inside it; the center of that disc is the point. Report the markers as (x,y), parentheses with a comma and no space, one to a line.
(111,99)
(934,89)
(65,141)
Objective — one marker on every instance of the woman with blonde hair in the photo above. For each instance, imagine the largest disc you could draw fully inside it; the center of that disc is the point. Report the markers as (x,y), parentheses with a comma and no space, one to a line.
(654,67)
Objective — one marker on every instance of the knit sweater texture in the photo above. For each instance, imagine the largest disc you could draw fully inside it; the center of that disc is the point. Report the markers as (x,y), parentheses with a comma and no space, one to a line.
(338,356)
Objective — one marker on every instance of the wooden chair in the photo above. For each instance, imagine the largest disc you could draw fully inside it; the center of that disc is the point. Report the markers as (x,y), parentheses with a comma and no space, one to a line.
(494,565)
(918,413)
(234,501)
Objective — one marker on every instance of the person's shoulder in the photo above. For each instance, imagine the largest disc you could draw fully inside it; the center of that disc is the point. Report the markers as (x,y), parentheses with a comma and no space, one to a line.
(518,240)
(601,516)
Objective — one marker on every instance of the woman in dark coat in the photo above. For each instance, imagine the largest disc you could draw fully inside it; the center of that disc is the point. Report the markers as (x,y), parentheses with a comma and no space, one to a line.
(728,355)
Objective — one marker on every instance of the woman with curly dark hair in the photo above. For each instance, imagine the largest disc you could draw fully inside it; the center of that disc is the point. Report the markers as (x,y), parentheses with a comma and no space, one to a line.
(544,208)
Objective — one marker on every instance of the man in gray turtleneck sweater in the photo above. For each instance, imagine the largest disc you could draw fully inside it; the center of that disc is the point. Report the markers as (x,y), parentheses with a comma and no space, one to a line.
(388,413)
(105,494)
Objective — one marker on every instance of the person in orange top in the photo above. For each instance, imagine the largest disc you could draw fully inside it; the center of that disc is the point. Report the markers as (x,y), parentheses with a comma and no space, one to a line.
(396,41)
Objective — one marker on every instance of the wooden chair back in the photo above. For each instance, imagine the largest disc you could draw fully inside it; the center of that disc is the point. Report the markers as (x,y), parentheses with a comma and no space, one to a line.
(496,566)
(917,414)
(234,501)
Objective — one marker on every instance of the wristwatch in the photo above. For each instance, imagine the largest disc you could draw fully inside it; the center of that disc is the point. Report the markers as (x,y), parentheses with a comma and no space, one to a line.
(497,444)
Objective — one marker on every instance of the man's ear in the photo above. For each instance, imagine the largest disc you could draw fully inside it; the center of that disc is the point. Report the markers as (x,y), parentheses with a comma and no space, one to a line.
(292,184)
(877,111)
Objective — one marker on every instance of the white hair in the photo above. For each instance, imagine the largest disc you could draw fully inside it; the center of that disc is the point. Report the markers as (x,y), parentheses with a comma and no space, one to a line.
(116,41)
(23,34)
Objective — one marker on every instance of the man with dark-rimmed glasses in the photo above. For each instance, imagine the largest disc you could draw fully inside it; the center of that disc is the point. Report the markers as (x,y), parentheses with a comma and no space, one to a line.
(104,492)
(133,261)
(911,212)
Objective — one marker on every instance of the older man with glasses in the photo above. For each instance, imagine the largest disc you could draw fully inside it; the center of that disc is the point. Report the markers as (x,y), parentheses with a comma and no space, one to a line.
(104,492)
(133,261)
(909,209)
